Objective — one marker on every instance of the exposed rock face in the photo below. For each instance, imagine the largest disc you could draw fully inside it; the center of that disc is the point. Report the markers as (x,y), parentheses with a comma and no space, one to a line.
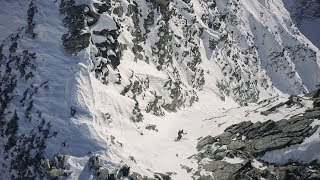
(151,127)
(57,166)
(293,100)
(262,137)
(173,51)
(316,102)
(245,170)
(76,42)
(162,3)
(31,24)
(177,52)
(316,97)
(248,141)
(74,20)
(122,172)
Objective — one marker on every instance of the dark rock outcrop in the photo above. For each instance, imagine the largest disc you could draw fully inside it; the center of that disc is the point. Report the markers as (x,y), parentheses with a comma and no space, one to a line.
(76,42)
(76,18)
(292,100)
(262,137)
(316,102)
(31,24)
(162,3)
(123,172)
(248,141)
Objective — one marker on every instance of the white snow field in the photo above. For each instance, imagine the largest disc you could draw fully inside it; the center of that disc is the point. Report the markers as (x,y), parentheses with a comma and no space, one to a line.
(102,123)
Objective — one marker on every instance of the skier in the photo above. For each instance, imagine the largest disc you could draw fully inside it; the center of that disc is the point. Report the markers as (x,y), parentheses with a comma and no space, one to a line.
(180,133)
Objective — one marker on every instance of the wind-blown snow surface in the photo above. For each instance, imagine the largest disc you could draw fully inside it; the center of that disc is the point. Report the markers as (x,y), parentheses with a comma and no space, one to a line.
(258,54)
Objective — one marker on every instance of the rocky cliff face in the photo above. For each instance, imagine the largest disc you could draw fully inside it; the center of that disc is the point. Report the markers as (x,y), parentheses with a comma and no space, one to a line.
(249,51)
(87,86)
(238,152)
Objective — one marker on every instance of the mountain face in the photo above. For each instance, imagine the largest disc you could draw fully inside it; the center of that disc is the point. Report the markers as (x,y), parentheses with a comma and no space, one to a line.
(306,15)
(98,89)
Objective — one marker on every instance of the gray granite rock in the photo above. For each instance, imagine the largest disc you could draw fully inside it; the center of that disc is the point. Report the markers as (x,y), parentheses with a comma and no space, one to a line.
(249,141)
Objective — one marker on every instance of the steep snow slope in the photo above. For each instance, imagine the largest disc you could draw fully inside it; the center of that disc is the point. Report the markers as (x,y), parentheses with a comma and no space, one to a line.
(54,82)
(118,79)
(306,14)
